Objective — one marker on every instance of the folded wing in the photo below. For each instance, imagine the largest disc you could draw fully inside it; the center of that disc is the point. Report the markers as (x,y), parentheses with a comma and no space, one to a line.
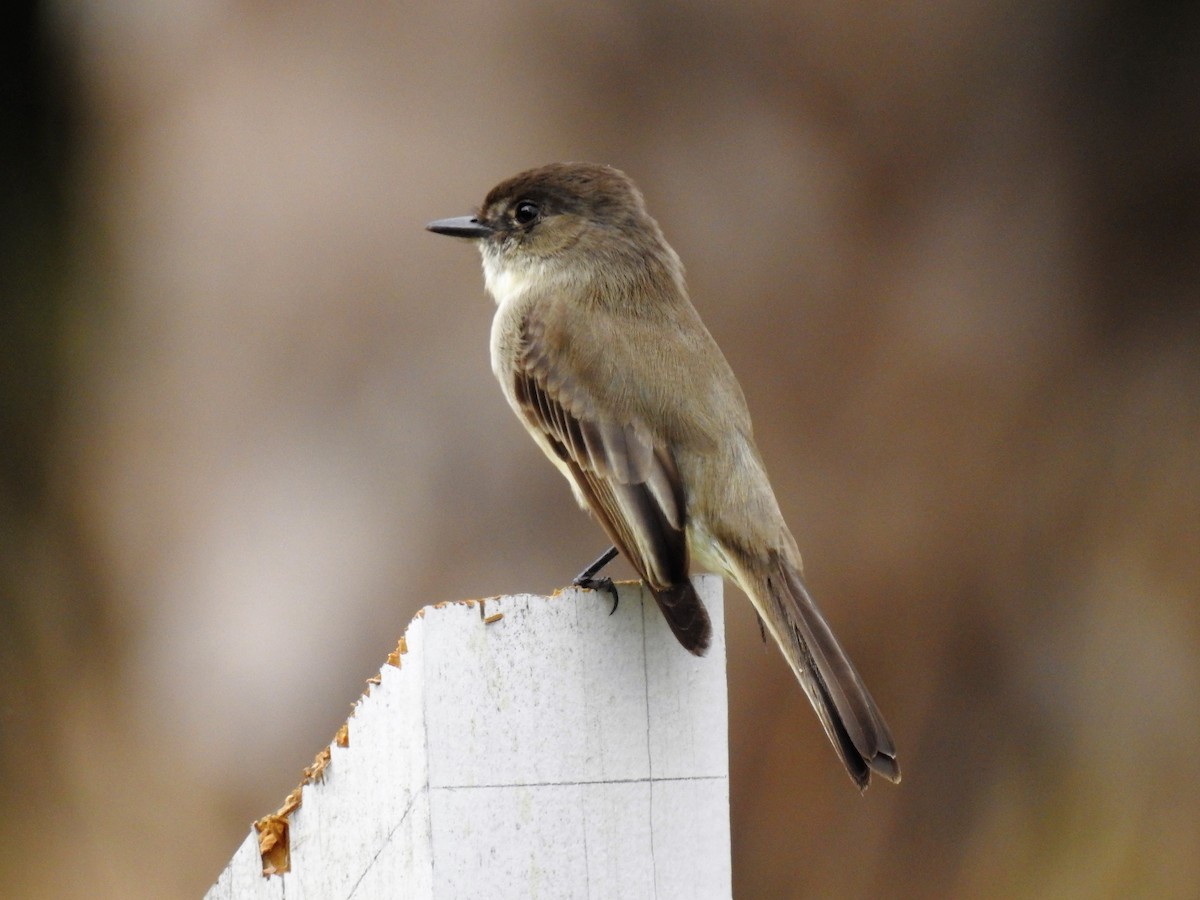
(630,483)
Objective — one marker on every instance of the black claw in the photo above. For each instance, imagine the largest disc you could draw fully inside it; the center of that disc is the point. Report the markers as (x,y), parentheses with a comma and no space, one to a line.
(606,584)
(600,584)
(587,578)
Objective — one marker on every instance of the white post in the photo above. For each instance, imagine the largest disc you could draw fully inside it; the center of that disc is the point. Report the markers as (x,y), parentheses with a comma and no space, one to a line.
(523,747)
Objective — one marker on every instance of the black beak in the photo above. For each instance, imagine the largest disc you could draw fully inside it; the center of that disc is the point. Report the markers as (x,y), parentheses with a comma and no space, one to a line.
(462,226)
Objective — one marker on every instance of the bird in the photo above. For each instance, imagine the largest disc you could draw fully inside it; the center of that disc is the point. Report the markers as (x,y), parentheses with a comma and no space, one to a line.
(605,361)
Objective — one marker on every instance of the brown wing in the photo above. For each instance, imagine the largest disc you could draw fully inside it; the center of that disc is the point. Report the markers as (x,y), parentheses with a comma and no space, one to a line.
(630,484)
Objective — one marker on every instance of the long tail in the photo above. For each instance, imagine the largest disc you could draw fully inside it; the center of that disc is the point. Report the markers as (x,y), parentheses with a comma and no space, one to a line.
(851,719)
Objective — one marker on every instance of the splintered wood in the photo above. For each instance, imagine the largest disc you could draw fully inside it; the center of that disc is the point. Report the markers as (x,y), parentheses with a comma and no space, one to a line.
(273,844)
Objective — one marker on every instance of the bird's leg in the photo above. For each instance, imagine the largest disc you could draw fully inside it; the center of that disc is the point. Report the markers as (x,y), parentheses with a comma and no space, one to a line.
(587,578)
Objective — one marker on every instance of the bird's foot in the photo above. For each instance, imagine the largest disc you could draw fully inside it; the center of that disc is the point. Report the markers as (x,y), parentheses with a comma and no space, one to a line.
(587,578)
(599,584)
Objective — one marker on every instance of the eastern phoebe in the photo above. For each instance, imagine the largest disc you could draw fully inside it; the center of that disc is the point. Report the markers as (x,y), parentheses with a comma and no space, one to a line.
(608,366)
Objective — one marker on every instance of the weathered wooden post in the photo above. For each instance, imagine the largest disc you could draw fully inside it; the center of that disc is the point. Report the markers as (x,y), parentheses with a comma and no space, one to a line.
(523,747)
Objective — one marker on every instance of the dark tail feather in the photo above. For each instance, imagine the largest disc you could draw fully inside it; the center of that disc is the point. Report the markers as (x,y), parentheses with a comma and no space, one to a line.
(685,613)
(851,719)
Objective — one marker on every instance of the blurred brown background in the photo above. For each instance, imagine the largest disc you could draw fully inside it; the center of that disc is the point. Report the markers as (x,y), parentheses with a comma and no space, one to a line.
(951,249)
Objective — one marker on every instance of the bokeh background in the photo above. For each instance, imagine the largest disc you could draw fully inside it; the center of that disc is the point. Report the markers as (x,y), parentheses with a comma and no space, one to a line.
(952,250)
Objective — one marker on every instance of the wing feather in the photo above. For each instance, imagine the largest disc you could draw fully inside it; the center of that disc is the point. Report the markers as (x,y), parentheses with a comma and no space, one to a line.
(630,484)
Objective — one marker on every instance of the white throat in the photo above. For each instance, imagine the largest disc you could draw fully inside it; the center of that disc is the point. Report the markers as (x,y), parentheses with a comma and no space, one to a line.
(504,281)
(507,282)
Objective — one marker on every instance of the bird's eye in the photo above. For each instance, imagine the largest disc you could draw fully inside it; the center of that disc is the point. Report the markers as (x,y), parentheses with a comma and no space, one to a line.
(525,212)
